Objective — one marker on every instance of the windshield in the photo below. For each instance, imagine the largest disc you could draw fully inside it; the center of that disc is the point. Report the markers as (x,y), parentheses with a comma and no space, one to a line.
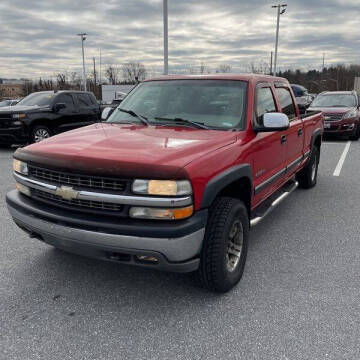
(334,100)
(218,104)
(39,99)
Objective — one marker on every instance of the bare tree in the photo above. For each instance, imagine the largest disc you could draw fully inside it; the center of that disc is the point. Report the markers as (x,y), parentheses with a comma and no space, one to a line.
(204,68)
(75,80)
(61,81)
(261,67)
(133,72)
(223,68)
(112,74)
(2,93)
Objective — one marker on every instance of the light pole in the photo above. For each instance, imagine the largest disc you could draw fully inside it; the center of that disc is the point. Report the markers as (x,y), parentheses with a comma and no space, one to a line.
(83,38)
(279,12)
(166,48)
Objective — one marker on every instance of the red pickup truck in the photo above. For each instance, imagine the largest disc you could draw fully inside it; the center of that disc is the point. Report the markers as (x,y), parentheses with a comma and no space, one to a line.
(174,178)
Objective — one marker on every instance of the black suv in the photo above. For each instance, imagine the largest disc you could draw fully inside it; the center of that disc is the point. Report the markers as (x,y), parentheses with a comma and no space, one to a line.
(43,114)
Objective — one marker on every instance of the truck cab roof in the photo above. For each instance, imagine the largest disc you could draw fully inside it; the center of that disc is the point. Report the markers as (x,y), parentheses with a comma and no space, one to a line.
(237,77)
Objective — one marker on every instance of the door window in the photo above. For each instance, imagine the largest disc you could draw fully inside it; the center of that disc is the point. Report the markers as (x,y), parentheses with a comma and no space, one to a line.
(265,102)
(68,100)
(286,102)
(84,100)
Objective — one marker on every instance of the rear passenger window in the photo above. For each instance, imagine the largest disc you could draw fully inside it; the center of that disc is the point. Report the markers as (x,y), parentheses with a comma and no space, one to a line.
(84,100)
(286,102)
(265,102)
(66,99)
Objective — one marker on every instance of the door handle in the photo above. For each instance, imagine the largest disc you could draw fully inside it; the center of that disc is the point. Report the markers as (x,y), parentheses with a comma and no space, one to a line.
(300,132)
(283,139)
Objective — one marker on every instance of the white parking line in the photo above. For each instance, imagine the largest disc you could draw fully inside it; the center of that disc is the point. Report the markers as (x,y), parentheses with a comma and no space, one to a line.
(342,160)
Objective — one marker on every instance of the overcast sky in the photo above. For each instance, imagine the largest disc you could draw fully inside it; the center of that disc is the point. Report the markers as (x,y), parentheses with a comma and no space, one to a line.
(38,37)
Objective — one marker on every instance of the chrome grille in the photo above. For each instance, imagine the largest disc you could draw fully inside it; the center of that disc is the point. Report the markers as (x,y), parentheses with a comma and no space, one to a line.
(80,181)
(333,117)
(95,205)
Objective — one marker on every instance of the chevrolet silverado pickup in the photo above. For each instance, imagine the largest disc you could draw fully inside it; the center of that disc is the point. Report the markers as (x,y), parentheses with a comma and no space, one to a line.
(46,113)
(174,178)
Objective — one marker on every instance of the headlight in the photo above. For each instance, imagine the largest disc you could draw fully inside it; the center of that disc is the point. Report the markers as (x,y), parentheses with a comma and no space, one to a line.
(161,214)
(350,114)
(20,167)
(162,187)
(19,116)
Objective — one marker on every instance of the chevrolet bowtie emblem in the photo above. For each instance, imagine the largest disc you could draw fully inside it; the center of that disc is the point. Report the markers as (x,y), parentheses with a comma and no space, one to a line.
(66,192)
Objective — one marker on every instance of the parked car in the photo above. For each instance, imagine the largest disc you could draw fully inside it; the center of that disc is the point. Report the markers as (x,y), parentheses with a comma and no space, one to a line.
(9,102)
(108,109)
(303,98)
(341,113)
(179,195)
(43,114)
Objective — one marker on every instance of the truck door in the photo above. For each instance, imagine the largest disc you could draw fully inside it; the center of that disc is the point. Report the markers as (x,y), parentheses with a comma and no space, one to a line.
(87,110)
(269,162)
(295,133)
(66,118)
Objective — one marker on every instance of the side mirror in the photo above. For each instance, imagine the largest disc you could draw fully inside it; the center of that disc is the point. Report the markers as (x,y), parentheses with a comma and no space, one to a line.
(273,122)
(106,113)
(57,107)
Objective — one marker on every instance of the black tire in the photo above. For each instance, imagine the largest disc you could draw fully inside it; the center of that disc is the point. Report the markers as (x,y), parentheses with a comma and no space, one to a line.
(356,136)
(5,146)
(37,131)
(215,272)
(307,177)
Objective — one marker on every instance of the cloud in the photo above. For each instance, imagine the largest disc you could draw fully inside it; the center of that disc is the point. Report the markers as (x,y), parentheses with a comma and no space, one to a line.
(39,37)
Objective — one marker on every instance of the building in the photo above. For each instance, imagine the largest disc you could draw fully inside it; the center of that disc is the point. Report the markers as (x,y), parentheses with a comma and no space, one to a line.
(109,91)
(11,91)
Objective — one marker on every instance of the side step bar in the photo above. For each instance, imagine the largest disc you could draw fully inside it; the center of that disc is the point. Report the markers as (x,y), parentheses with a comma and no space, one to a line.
(269,204)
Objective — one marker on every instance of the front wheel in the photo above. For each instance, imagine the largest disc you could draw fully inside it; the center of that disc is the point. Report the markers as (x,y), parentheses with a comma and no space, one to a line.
(307,177)
(40,133)
(225,245)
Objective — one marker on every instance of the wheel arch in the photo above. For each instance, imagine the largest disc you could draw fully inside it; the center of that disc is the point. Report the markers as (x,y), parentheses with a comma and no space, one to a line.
(316,139)
(235,182)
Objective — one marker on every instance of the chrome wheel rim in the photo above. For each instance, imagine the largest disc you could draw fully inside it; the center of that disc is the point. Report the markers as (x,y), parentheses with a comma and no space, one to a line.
(41,134)
(313,169)
(235,245)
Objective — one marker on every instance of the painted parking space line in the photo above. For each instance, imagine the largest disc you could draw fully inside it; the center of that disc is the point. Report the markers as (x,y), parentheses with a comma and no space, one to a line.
(342,159)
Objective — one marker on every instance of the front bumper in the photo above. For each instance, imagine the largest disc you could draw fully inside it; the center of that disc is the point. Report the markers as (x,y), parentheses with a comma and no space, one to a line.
(343,127)
(176,246)
(13,135)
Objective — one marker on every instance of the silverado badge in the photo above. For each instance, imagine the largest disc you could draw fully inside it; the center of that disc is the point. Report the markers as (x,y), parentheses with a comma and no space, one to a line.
(66,192)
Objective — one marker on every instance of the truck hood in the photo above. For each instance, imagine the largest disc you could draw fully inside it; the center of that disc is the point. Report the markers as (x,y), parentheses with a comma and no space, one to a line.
(126,150)
(22,109)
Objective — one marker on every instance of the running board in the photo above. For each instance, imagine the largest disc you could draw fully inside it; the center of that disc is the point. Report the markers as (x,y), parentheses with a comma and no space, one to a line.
(269,204)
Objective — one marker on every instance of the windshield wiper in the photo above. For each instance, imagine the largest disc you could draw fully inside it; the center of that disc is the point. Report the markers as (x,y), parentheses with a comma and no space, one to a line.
(142,118)
(195,123)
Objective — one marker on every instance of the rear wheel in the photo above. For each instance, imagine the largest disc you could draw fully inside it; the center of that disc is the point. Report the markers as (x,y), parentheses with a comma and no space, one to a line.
(307,177)
(225,245)
(40,133)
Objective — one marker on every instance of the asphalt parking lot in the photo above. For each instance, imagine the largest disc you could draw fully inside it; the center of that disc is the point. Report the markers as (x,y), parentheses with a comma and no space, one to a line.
(299,297)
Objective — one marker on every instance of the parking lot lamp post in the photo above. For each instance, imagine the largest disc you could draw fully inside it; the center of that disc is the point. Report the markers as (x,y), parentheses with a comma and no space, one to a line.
(83,38)
(166,61)
(279,13)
